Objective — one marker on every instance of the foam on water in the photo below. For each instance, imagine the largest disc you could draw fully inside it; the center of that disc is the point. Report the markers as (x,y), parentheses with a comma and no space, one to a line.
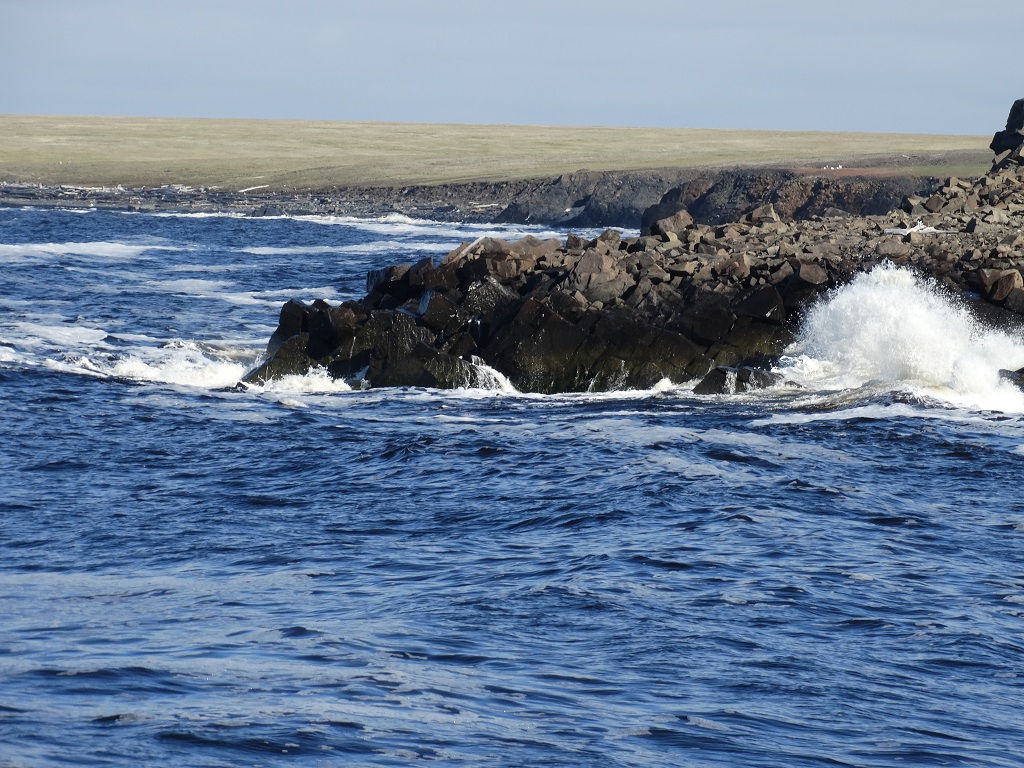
(406,226)
(100,249)
(176,363)
(215,290)
(317,381)
(377,246)
(890,330)
(64,335)
(92,351)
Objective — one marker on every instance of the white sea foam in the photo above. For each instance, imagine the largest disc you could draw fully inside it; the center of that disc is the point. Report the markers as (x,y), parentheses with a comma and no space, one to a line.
(87,350)
(217,289)
(99,249)
(890,330)
(191,214)
(399,224)
(64,335)
(490,379)
(178,362)
(317,381)
(377,246)
(190,286)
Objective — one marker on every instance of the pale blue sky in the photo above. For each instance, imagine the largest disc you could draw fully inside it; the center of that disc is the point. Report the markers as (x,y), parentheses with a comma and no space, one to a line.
(871,65)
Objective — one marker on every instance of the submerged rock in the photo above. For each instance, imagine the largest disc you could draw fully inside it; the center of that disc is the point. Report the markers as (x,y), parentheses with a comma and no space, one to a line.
(726,380)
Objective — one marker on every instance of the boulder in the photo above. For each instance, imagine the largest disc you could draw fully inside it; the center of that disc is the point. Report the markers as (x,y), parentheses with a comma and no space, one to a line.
(673,224)
(1012,136)
(1008,281)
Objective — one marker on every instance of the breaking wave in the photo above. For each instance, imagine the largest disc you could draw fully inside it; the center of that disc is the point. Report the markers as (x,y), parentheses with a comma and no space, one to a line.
(891,330)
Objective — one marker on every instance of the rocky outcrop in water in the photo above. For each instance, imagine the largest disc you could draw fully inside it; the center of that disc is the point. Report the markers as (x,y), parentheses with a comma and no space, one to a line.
(677,302)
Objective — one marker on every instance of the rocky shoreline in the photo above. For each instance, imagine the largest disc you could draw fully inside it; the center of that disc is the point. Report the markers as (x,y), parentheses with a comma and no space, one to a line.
(683,299)
(627,199)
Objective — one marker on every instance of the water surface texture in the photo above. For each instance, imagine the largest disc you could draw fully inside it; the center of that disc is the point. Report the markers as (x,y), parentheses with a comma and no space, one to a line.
(301,574)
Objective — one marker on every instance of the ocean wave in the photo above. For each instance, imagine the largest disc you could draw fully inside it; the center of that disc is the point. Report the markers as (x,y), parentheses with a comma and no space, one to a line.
(99,249)
(178,362)
(890,330)
(201,288)
(379,246)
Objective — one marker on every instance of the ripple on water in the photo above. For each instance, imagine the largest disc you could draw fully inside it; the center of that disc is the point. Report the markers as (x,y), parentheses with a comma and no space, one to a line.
(305,573)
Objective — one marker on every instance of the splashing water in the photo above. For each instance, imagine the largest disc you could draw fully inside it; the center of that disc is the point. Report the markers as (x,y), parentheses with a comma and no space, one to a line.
(890,329)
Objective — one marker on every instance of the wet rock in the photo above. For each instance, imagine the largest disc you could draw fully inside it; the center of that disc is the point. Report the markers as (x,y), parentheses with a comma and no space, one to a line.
(727,380)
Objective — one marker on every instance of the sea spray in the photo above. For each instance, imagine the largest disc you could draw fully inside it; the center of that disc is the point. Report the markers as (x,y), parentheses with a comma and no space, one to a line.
(892,329)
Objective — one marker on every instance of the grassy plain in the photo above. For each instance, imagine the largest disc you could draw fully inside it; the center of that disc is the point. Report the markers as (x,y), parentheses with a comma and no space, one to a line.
(307,155)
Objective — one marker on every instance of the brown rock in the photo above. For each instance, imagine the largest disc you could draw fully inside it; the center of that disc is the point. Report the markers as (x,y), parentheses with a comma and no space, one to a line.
(673,224)
(894,248)
(1009,280)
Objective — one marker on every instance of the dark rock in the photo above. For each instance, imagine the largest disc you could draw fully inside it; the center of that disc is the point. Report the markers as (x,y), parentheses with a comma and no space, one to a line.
(893,248)
(293,320)
(440,313)
(290,358)
(726,380)
(762,214)
(1012,136)
(808,280)
(386,279)
(1015,301)
(764,304)
(1013,377)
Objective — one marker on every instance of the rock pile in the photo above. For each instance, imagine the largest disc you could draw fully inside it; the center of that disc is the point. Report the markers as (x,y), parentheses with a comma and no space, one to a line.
(682,299)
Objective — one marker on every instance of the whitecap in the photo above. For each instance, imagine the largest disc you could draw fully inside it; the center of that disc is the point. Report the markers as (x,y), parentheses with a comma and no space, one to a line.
(891,330)
(29,334)
(317,381)
(98,249)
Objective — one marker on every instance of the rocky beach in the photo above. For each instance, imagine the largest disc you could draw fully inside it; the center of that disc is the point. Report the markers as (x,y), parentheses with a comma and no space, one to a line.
(683,299)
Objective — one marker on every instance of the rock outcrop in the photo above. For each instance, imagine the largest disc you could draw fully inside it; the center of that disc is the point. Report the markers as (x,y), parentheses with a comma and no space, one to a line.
(676,302)
(581,199)
(1012,136)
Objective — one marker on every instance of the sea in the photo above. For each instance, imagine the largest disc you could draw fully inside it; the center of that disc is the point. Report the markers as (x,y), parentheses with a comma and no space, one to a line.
(829,572)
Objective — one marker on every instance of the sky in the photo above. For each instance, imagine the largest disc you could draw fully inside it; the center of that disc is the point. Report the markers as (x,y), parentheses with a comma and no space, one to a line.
(939,66)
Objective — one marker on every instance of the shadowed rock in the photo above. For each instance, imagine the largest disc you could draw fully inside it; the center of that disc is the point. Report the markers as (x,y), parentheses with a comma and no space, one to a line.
(1012,136)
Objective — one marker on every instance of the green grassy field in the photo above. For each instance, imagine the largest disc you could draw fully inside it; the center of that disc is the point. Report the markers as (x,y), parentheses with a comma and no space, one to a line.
(294,155)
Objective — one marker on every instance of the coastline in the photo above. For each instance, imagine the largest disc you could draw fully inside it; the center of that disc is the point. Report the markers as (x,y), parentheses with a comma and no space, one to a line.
(580,199)
(683,300)
(553,175)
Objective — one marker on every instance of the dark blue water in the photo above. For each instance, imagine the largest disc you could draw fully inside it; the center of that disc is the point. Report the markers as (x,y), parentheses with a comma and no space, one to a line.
(303,575)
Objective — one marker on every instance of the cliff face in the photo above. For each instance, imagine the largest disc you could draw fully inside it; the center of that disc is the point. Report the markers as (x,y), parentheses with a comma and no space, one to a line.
(616,312)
